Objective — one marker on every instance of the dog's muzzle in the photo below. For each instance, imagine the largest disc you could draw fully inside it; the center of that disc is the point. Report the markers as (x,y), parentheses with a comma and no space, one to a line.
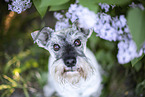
(69,56)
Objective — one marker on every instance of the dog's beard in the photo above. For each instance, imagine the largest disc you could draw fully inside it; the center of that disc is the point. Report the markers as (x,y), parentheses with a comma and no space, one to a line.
(63,75)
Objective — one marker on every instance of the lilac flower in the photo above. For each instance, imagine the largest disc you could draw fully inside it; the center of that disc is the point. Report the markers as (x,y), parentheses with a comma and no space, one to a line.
(85,17)
(127,51)
(104,6)
(133,5)
(58,16)
(123,20)
(141,6)
(71,14)
(6,0)
(143,48)
(19,5)
(106,27)
(62,24)
(110,28)
(107,32)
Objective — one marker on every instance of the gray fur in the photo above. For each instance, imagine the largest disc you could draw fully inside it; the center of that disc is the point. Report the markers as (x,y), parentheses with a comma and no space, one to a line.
(46,38)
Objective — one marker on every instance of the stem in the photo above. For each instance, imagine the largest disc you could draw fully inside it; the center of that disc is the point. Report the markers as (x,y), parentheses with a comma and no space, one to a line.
(25,88)
(25,92)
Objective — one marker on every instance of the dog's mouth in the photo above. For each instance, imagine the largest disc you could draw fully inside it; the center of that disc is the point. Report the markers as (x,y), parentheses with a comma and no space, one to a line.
(72,69)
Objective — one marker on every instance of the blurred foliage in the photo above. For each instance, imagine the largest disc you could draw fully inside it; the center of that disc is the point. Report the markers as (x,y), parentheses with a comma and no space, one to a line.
(118,80)
(23,65)
(136,23)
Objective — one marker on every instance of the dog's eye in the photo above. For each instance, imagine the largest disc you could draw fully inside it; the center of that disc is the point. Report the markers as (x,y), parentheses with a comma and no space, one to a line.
(77,42)
(56,47)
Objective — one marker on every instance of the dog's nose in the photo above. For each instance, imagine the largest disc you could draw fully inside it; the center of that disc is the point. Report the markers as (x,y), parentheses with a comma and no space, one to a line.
(70,62)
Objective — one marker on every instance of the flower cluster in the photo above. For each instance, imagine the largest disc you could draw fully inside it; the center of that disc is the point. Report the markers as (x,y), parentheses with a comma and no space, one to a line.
(103,24)
(62,22)
(111,28)
(106,27)
(104,6)
(80,13)
(19,5)
(133,5)
(127,51)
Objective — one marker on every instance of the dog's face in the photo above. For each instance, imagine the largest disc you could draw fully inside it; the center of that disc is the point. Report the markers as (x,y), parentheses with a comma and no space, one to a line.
(67,48)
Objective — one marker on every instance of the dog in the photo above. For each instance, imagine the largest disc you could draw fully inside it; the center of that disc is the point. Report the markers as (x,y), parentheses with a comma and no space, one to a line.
(73,69)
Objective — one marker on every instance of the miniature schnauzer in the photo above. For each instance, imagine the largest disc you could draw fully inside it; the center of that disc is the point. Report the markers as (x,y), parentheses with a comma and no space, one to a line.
(73,69)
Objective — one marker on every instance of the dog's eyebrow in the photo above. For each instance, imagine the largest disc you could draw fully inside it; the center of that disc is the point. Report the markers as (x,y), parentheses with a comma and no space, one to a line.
(62,37)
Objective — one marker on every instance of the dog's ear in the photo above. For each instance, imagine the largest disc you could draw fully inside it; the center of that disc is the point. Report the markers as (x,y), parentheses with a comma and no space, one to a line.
(87,32)
(42,37)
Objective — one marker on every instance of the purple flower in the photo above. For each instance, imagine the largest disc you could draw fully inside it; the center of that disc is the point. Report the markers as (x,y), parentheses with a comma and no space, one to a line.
(127,50)
(106,27)
(19,5)
(104,6)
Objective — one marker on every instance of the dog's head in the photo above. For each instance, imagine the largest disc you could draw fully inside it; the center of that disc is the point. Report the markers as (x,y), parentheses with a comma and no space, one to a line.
(67,47)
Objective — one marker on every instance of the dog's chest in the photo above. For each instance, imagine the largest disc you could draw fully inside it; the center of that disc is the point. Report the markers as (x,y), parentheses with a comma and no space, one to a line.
(85,89)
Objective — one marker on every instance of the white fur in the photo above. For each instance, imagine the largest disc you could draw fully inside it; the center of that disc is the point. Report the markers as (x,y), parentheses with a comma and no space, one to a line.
(91,86)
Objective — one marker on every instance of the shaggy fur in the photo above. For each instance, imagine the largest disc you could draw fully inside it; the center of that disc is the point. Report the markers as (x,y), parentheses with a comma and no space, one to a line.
(81,80)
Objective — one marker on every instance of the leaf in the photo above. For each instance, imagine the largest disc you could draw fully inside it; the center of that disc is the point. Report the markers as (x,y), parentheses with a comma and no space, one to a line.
(4,87)
(14,84)
(90,4)
(140,87)
(116,2)
(42,78)
(136,60)
(7,92)
(23,54)
(59,7)
(41,9)
(136,23)
(138,66)
(93,40)
(105,79)
(9,64)
(47,3)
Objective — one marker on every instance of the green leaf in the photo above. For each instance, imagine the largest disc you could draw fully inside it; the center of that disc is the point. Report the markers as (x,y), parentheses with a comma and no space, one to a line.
(41,9)
(136,60)
(140,87)
(7,92)
(92,41)
(14,83)
(2,87)
(47,3)
(116,2)
(42,79)
(59,7)
(136,23)
(105,79)
(90,4)
(138,66)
